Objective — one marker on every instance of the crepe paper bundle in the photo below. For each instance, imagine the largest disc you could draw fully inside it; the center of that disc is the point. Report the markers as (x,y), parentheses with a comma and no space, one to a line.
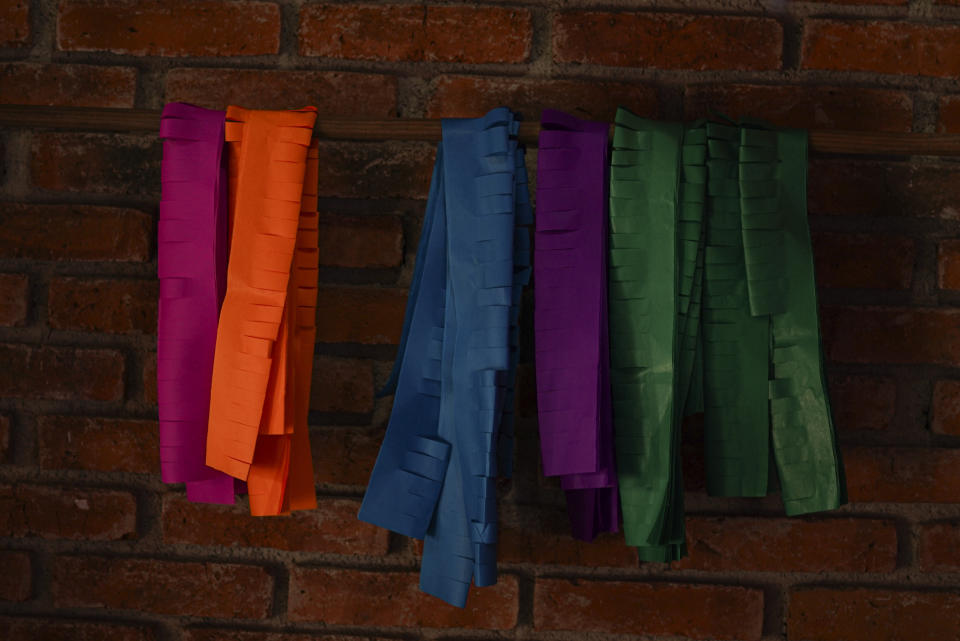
(657,189)
(761,323)
(191,265)
(262,366)
(570,320)
(451,427)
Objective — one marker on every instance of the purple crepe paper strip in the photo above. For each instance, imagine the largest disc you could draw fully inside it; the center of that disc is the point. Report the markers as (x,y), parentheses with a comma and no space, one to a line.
(192,266)
(570,320)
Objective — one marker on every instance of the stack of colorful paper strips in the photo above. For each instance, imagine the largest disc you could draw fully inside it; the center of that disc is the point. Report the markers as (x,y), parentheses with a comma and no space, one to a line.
(570,320)
(234,390)
(450,430)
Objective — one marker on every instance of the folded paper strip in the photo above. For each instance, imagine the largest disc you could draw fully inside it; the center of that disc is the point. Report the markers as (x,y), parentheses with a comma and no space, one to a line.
(191,265)
(259,394)
(451,428)
(570,320)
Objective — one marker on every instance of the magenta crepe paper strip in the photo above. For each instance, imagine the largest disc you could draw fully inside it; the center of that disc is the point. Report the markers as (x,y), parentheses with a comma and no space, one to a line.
(570,320)
(192,266)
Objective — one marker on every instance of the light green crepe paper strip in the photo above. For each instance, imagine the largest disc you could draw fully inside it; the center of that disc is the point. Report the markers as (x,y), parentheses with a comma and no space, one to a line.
(735,343)
(645,189)
(804,439)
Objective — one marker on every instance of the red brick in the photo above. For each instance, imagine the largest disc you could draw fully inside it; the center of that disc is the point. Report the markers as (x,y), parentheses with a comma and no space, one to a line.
(361,241)
(103,305)
(948,264)
(950,114)
(858,188)
(938,547)
(333,93)
(473,96)
(332,528)
(50,629)
(67,85)
(371,316)
(902,474)
(667,40)
(618,607)
(4,437)
(864,261)
(98,444)
(344,455)
(892,335)
(62,513)
(415,33)
(342,385)
(946,408)
(882,47)
(14,292)
(544,539)
(170,28)
(62,373)
(150,378)
(16,578)
(117,164)
(354,597)
(222,590)
(375,170)
(223,634)
(831,614)
(863,2)
(74,232)
(719,544)
(862,402)
(15,27)
(807,107)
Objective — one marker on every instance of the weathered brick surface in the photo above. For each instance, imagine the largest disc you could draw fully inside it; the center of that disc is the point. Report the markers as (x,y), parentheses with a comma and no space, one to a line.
(344,455)
(431,33)
(62,373)
(103,305)
(945,412)
(341,385)
(667,40)
(360,315)
(53,512)
(720,544)
(67,85)
(74,232)
(862,402)
(355,597)
(114,164)
(4,437)
(892,335)
(903,475)
(617,607)
(179,28)
(882,47)
(361,241)
(47,629)
(332,528)
(225,590)
(332,93)
(864,261)
(98,444)
(865,614)
(473,96)
(375,170)
(950,114)
(816,107)
(14,299)
(948,264)
(938,547)
(16,579)
(15,28)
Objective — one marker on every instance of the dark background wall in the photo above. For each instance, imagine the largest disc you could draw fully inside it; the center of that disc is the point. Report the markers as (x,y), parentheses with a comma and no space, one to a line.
(95,547)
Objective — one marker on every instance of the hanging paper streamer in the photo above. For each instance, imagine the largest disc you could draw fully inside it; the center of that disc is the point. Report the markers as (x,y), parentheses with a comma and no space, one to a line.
(451,425)
(191,265)
(570,320)
(262,366)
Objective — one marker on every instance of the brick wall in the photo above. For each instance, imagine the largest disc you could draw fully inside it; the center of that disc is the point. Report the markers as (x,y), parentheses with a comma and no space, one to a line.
(95,547)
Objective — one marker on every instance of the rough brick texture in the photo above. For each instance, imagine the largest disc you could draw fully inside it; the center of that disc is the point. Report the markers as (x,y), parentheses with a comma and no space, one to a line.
(95,547)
